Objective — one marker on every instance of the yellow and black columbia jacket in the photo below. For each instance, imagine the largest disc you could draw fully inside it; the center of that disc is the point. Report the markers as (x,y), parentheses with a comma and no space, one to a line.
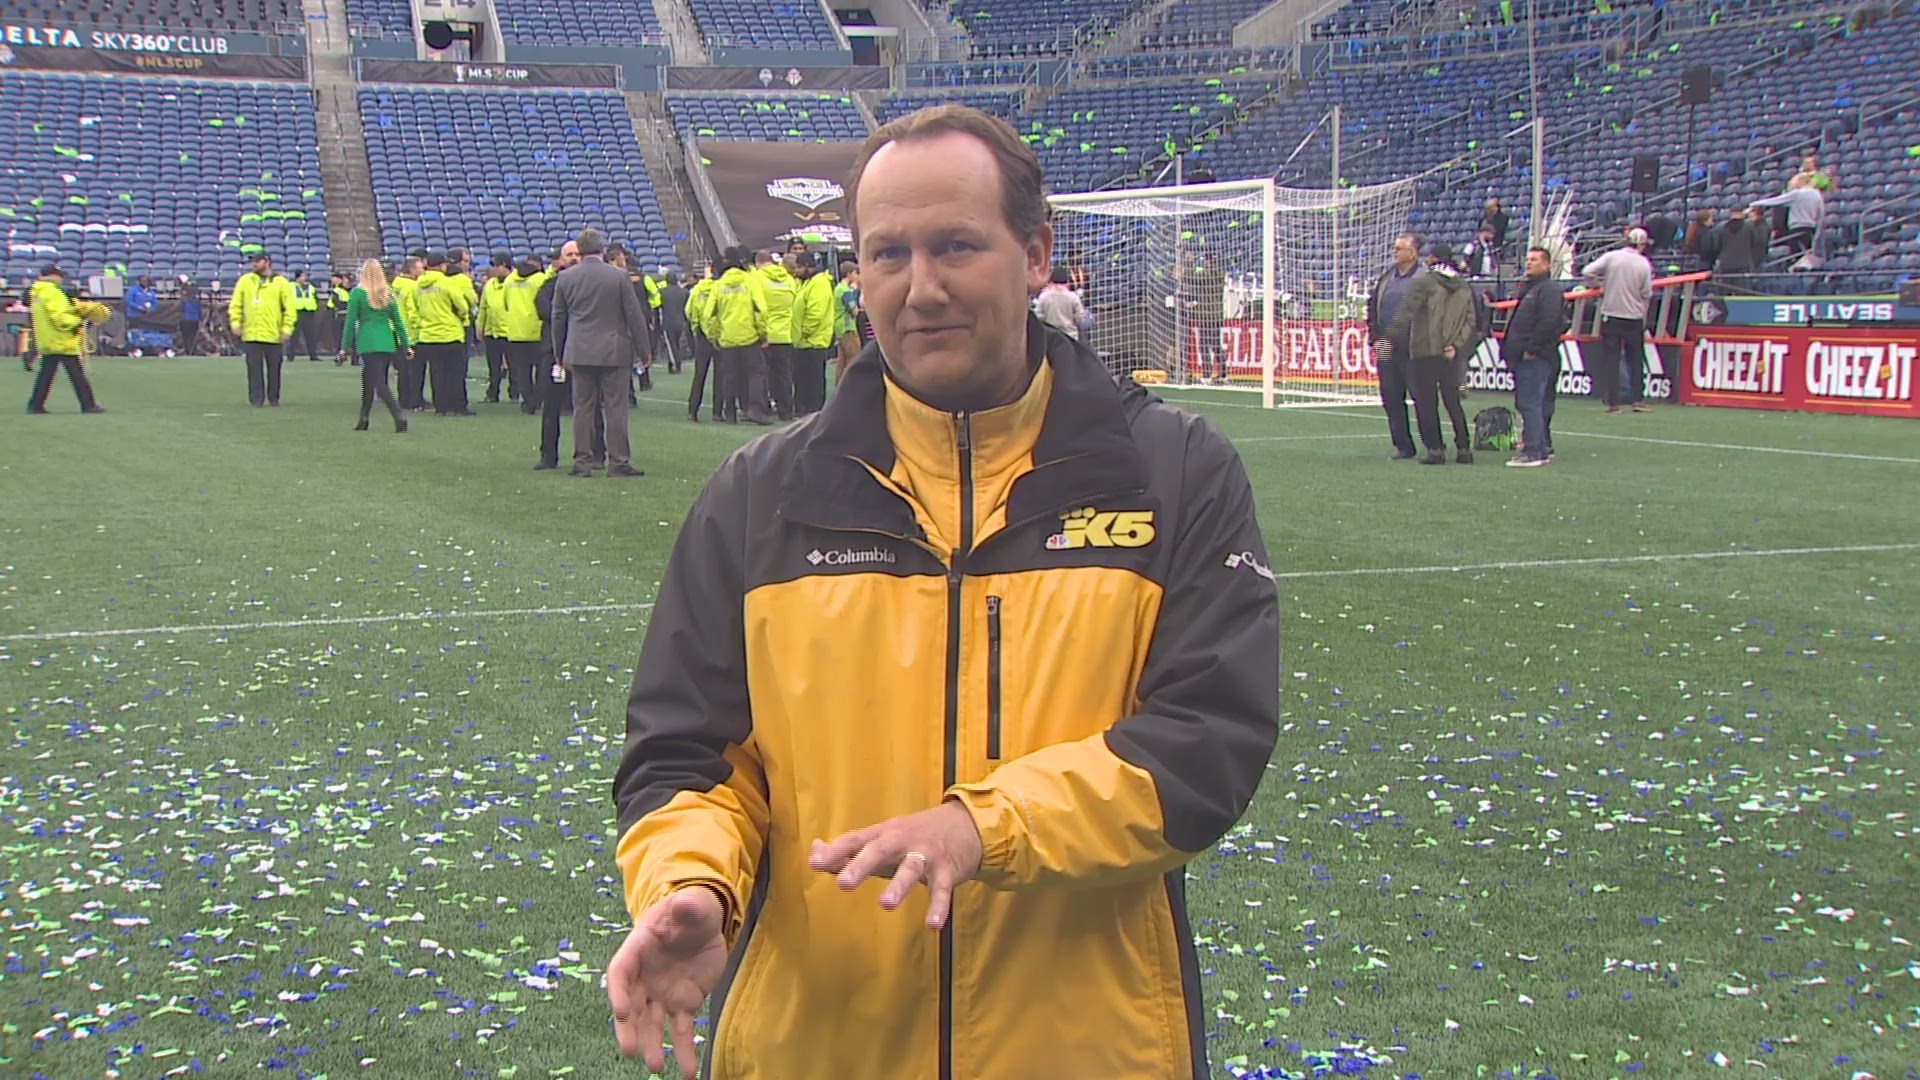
(1057,612)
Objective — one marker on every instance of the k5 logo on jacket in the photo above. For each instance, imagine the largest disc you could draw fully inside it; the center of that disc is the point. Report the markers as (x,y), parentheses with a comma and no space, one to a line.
(1088,527)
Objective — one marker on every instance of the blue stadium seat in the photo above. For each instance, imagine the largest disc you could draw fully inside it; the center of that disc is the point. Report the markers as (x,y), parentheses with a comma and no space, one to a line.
(86,183)
(768,117)
(554,162)
(579,22)
(767,24)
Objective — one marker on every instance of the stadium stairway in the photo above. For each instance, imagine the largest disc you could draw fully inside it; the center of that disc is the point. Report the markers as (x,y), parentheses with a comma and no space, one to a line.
(346,183)
(664,154)
(683,34)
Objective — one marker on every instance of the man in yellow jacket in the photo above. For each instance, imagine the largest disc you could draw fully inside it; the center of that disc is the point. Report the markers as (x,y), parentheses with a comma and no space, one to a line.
(492,325)
(945,685)
(702,348)
(306,317)
(777,288)
(520,323)
(59,337)
(813,323)
(261,315)
(411,377)
(445,302)
(734,318)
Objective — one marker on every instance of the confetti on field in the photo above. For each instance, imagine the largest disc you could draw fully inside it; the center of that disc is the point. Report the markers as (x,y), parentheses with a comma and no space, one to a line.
(1624,822)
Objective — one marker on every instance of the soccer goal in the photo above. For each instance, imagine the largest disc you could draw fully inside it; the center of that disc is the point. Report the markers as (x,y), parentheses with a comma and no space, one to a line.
(1237,284)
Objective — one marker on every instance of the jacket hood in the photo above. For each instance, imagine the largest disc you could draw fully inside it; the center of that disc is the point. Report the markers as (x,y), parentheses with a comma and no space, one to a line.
(431,277)
(1447,277)
(734,276)
(777,272)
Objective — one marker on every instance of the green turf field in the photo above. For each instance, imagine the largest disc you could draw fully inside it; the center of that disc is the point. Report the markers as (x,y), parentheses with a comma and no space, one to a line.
(1599,770)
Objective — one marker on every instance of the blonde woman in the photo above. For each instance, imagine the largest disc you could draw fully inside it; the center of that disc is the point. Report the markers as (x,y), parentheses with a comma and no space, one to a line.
(374,331)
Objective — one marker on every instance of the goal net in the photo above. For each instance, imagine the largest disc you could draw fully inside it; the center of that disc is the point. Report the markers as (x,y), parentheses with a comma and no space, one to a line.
(1236,284)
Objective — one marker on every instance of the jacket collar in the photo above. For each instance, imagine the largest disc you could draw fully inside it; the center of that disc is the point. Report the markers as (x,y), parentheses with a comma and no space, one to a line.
(1084,450)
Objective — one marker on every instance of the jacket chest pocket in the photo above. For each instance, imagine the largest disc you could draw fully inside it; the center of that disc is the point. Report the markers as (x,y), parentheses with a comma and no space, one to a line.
(1059,656)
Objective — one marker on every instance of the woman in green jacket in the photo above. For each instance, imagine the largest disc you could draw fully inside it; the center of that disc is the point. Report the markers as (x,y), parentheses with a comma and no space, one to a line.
(375,332)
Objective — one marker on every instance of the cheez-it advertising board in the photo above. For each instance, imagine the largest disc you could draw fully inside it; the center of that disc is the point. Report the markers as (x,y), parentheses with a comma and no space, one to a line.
(1866,371)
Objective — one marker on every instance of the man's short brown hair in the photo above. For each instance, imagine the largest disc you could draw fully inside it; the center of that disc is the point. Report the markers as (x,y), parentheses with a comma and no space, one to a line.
(1023,196)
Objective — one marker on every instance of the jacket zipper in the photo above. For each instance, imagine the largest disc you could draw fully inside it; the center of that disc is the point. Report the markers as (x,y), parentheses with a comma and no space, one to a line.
(956,572)
(993,678)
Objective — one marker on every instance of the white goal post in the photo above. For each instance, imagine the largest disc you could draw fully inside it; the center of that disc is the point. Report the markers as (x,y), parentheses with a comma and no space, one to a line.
(1237,284)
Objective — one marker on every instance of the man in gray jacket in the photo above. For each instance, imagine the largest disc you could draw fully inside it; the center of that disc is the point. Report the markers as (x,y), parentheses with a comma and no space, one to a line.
(599,328)
(1625,280)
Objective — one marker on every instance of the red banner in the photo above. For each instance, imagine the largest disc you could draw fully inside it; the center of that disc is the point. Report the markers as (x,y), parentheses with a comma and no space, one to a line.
(1311,350)
(1864,371)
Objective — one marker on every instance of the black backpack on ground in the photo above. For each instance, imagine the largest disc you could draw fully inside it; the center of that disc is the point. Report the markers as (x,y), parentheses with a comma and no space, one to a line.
(1493,429)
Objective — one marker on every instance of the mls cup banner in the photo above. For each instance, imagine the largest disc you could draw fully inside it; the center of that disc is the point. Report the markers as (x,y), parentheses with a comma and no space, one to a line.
(1319,350)
(1867,372)
(775,191)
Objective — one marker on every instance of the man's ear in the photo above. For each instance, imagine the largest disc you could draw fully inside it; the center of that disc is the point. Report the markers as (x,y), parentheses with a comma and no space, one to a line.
(1040,258)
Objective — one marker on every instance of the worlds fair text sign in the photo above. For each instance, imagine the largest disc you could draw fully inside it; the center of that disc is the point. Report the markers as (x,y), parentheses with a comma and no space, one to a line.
(1867,372)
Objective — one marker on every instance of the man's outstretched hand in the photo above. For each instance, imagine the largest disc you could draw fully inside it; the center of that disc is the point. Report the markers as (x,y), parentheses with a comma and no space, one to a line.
(938,848)
(662,974)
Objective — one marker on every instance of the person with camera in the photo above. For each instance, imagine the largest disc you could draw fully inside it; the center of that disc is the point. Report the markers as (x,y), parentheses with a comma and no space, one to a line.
(59,336)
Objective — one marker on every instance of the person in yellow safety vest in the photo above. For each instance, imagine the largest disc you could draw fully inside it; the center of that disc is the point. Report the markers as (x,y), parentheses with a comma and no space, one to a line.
(702,348)
(411,382)
(445,305)
(261,314)
(812,335)
(520,322)
(493,330)
(336,301)
(776,296)
(59,336)
(306,317)
(734,318)
(656,285)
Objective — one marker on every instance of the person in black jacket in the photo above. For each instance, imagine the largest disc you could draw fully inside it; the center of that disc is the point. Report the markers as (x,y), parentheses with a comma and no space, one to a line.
(554,397)
(1390,355)
(1531,350)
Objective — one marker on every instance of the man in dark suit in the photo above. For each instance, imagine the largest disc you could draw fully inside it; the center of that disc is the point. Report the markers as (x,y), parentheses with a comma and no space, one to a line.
(599,327)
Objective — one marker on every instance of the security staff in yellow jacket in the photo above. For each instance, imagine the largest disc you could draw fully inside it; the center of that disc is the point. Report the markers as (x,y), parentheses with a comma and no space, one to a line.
(59,327)
(734,318)
(492,316)
(813,322)
(445,303)
(410,383)
(261,314)
(945,685)
(306,317)
(519,321)
(701,348)
(777,288)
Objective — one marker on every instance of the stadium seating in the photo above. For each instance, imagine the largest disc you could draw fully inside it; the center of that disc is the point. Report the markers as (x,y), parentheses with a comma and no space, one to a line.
(1089,136)
(505,169)
(1004,105)
(1400,123)
(258,16)
(393,17)
(770,24)
(768,117)
(158,176)
(1194,24)
(579,22)
(1035,27)
(1158,65)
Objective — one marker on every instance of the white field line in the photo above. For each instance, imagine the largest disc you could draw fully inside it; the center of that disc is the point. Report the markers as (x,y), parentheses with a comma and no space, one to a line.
(1609,560)
(341,620)
(1291,575)
(1738,447)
